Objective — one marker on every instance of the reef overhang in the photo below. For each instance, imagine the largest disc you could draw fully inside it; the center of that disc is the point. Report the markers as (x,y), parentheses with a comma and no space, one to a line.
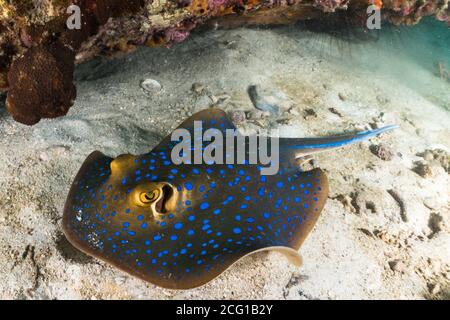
(32,32)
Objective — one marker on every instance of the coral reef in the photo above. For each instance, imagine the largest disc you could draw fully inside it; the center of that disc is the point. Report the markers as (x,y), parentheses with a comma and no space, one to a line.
(32,31)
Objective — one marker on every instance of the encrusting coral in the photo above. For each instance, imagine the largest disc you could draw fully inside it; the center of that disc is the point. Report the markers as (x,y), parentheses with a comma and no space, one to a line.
(38,51)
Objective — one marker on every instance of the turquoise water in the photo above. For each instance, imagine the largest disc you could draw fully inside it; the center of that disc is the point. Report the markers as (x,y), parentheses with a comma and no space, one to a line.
(417,56)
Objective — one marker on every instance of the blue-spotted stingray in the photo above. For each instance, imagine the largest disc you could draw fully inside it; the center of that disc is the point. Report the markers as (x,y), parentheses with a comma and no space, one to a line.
(180,226)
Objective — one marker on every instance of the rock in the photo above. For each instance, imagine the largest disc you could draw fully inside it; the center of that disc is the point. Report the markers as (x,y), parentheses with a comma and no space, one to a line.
(342,97)
(397,266)
(219,100)
(237,116)
(439,156)
(44,157)
(382,151)
(335,111)
(257,115)
(423,169)
(347,202)
(198,88)
(433,288)
(294,111)
(309,113)
(151,86)
(382,100)
(265,99)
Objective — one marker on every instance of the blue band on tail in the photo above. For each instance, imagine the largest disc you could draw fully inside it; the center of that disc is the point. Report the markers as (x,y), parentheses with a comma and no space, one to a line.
(360,136)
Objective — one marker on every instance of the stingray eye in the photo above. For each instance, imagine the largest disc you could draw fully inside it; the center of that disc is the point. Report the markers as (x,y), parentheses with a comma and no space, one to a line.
(149,197)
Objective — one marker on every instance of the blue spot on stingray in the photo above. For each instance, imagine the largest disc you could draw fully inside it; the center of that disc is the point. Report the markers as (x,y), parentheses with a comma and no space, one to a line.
(140,217)
(174,171)
(266,215)
(126,224)
(237,218)
(216,211)
(204,205)
(183,251)
(131,233)
(147,242)
(157,237)
(261,191)
(201,189)
(190,232)
(195,171)
(173,238)
(263,179)
(244,206)
(178,226)
(206,227)
(188,186)
(305,191)
(191,217)
(237,230)
(280,184)
(306,206)
(250,220)
(188,202)
(144,225)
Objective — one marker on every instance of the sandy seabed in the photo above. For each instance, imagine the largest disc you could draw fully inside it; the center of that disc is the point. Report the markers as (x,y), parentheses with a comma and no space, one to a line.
(385,230)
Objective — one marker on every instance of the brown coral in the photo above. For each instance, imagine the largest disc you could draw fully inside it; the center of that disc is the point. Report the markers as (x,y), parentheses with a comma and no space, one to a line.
(41,83)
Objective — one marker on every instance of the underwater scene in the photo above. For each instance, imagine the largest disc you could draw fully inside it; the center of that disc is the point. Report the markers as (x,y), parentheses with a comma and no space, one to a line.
(225,149)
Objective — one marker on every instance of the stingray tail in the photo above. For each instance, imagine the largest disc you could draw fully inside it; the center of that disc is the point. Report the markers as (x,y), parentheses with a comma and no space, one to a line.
(307,146)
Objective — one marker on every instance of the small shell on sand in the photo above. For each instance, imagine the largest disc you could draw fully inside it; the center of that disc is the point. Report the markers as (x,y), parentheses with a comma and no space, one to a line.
(151,86)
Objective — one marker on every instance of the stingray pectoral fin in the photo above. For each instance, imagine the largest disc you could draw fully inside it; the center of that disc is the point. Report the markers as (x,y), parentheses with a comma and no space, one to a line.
(293,256)
(95,165)
(307,146)
(212,118)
